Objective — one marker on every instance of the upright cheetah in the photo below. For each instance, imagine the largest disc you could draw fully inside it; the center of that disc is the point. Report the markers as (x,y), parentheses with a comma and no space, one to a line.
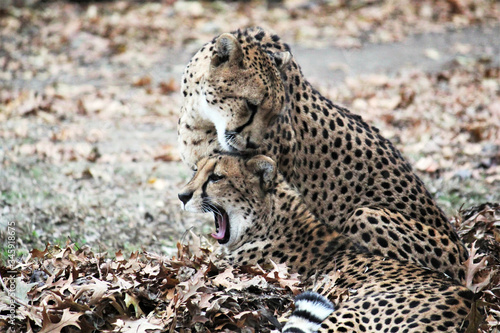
(243,92)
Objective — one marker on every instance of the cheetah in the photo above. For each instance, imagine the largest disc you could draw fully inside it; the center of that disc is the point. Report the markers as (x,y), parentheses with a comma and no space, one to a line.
(243,92)
(259,217)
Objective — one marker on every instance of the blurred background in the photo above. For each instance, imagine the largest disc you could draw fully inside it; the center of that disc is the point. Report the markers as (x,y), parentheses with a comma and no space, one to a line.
(89,101)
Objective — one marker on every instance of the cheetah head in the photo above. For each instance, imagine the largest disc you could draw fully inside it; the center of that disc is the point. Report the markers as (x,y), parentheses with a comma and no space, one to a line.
(235,191)
(243,92)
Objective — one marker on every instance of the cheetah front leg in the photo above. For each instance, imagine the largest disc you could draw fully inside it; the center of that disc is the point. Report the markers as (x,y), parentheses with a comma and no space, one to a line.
(390,234)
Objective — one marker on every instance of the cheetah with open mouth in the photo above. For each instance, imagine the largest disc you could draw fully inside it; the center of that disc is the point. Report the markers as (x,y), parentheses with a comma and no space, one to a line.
(260,217)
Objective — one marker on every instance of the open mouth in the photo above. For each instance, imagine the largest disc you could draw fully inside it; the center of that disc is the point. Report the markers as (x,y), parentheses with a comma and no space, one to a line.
(222,226)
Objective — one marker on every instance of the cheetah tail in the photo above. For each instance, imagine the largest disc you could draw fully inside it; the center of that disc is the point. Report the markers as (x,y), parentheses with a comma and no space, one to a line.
(310,310)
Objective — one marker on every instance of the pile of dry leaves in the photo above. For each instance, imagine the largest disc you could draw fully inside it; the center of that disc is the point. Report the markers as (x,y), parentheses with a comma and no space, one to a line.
(76,290)
(479,228)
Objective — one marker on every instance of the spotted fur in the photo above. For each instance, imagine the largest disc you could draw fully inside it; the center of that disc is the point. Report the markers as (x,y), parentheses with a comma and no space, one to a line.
(386,295)
(244,92)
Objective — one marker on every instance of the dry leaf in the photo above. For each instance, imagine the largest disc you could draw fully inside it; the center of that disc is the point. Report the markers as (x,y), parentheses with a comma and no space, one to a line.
(143,81)
(139,325)
(68,319)
(473,281)
(168,87)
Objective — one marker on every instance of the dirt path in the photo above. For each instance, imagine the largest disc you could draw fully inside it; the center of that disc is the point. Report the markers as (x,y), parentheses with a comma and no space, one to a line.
(427,52)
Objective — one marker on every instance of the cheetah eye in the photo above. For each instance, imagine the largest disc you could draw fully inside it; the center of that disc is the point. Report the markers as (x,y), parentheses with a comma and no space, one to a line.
(214,177)
(252,107)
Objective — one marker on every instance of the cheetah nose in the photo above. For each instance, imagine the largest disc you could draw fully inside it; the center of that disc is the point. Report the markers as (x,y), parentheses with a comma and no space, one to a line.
(185,197)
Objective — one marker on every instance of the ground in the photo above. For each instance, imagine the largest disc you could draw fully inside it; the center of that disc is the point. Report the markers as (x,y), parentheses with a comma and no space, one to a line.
(89,99)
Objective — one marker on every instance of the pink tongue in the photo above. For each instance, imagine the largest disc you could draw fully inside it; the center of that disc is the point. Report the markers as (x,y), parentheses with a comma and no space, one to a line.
(222,227)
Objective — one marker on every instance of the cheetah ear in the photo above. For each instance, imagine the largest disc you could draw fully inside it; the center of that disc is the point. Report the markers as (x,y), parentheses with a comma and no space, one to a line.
(282,59)
(227,49)
(265,168)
